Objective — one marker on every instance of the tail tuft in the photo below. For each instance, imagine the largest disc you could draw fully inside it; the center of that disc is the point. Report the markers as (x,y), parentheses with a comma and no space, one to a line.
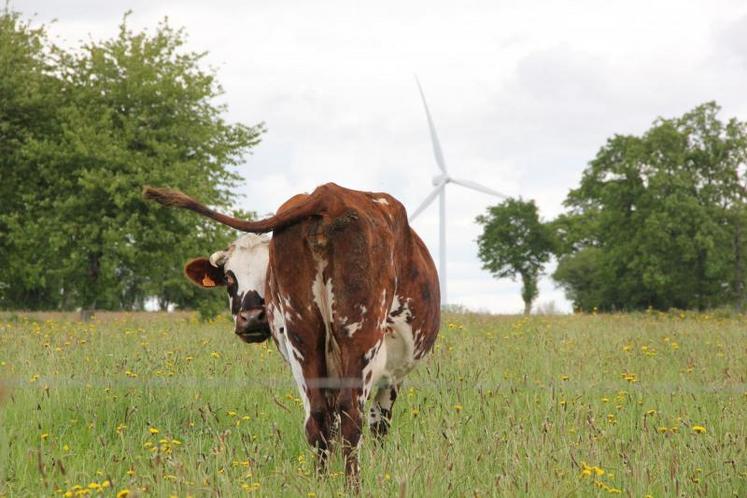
(166,196)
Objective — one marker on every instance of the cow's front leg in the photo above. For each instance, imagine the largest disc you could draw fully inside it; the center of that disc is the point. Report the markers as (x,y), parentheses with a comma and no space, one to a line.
(380,417)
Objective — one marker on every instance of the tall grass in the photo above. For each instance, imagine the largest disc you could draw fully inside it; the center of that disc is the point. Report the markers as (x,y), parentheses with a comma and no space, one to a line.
(584,405)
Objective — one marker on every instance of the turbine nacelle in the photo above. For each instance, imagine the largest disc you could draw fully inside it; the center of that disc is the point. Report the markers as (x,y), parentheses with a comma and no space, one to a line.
(439,179)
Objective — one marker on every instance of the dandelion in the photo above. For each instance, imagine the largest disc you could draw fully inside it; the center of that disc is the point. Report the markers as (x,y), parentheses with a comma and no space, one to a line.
(458,408)
(564,377)
(44,436)
(215,354)
(630,377)
(123,493)
(153,430)
(699,429)
(650,413)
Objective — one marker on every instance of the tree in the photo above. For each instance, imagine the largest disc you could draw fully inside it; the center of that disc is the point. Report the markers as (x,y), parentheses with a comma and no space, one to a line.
(29,99)
(136,109)
(515,242)
(660,212)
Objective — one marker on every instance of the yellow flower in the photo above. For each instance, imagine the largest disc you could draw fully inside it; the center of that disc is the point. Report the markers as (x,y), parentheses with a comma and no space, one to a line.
(215,354)
(124,493)
(630,377)
(458,408)
(153,430)
(650,413)
(44,436)
(699,429)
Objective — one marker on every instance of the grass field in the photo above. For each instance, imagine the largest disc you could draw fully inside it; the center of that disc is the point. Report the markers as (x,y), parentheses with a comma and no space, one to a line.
(584,405)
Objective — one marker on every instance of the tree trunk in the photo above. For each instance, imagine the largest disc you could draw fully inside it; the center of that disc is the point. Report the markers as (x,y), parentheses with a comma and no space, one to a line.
(527,307)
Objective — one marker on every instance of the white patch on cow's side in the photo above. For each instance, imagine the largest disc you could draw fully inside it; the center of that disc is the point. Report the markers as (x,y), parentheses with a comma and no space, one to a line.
(321,290)
(356,326)
(400,343)
(381,200)
(383,323)
(277,328)
(353,328)
(375,369)
(294,359)
(324,298)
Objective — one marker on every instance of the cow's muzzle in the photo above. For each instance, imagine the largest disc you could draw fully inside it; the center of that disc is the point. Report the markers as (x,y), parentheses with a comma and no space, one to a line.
(252,325)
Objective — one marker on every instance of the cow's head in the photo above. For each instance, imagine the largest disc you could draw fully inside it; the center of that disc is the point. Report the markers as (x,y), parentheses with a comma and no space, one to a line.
(242,269)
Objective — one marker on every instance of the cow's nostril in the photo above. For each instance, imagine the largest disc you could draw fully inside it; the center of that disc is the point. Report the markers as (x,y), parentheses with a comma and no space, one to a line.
(261,316)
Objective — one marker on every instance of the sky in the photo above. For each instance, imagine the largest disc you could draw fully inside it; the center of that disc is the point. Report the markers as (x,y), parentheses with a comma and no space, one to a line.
(523,95)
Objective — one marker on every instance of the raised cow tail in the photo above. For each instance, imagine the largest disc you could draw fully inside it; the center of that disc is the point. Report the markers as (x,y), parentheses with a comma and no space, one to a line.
(168,197)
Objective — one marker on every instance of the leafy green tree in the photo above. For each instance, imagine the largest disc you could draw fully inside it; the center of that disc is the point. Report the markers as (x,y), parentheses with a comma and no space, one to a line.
(515,243)
(660,212)
(136,109)
(29,99)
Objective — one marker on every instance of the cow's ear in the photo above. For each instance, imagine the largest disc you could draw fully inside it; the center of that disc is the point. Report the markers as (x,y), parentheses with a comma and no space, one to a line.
(204,274)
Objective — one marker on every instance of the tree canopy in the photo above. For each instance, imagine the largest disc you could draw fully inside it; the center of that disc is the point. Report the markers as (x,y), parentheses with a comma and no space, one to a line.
(515,243)
(658,220)
(81,131)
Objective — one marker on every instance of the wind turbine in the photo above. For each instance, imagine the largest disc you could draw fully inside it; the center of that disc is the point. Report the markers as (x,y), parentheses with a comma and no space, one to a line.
(440,181)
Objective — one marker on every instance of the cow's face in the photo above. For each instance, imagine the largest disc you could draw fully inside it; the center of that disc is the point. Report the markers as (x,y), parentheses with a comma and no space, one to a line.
(242,269)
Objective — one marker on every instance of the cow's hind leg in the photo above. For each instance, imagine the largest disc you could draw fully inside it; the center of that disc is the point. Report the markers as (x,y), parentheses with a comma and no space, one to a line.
(380,417)
(319,428)
(350,409)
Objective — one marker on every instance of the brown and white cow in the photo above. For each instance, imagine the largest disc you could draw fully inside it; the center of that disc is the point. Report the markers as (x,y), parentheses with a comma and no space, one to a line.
(351,296)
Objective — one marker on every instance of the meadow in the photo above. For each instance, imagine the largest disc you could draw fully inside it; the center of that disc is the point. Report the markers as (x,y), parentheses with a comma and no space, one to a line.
(646,404)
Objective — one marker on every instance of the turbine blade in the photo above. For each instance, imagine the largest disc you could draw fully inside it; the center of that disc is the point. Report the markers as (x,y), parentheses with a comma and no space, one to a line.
(478,187)
(434,137)
(428,200)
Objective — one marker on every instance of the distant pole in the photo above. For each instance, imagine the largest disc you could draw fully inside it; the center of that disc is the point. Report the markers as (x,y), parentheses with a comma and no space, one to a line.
(442,245)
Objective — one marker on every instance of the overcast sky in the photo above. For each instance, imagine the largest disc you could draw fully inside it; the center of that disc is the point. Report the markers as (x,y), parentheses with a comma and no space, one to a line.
(523,94)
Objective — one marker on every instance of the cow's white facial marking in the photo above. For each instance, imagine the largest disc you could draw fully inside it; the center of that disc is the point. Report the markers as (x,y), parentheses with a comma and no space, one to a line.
(247,259)
(245,264)
(382,201)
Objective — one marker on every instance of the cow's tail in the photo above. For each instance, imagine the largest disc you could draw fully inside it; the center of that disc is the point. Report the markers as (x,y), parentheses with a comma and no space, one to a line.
(168,197)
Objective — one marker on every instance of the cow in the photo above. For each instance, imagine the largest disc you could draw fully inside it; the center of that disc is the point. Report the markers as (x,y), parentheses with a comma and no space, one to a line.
(347,291)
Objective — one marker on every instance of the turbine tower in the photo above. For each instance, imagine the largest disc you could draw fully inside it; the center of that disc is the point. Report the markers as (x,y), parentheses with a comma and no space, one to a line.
(440,181)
